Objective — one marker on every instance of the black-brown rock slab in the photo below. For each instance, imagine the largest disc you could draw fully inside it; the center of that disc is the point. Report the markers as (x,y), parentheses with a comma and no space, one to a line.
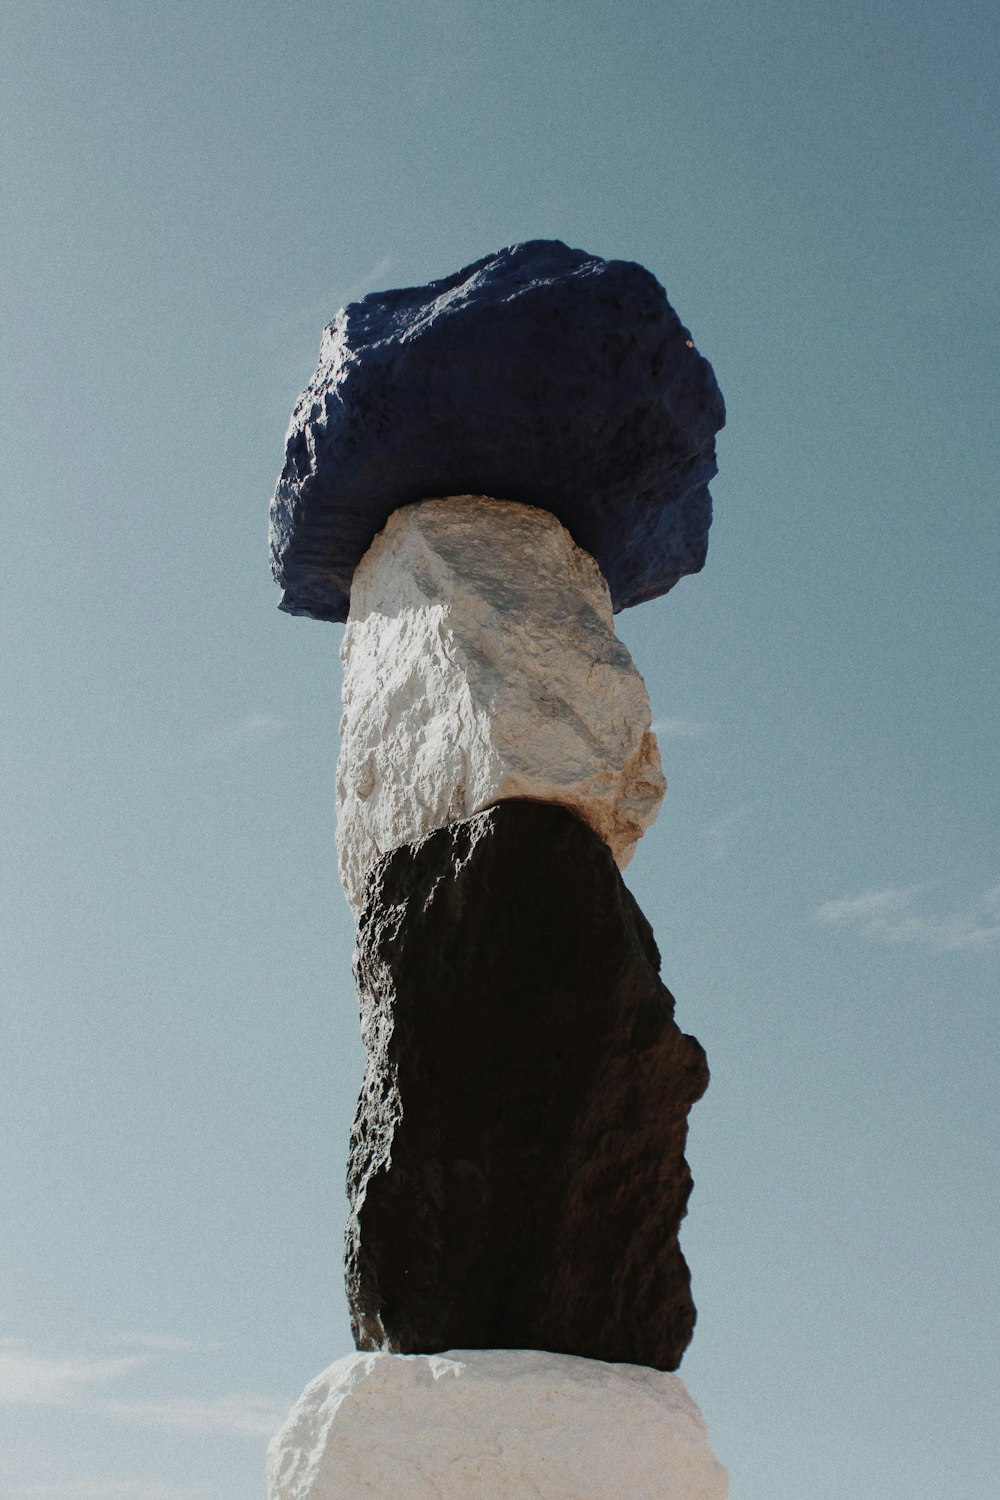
(517,1175)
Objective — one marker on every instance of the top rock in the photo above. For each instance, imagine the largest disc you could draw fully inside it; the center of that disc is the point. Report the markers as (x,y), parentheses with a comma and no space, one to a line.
(539,374)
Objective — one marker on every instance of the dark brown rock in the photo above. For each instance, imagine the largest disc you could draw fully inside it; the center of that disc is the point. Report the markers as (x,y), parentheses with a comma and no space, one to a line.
(517,1173)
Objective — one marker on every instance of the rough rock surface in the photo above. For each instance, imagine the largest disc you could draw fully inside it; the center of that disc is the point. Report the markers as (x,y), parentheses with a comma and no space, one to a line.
(481,663)
(539,374)
(517,1175)
(503,1424)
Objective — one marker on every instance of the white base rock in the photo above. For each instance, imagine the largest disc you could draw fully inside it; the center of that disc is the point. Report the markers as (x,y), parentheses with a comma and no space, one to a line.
(480,664)
(495,1424)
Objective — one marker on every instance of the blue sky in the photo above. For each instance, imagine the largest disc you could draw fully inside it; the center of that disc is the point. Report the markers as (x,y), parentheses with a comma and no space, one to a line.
(190,192)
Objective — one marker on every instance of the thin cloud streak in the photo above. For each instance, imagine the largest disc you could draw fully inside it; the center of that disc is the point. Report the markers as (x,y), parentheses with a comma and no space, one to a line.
(97,1491)
(158,1343)
(680,728)
(889,917)
(372,280)
(231,739)
(717,833)
(28,1378)
(240,1416)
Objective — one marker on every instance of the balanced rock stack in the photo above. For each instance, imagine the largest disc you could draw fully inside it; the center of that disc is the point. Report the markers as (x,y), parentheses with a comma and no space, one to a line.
(481,472)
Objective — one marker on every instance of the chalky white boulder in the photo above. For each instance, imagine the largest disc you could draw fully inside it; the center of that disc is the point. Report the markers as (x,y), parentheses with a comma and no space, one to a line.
(493,1425)
(481,664)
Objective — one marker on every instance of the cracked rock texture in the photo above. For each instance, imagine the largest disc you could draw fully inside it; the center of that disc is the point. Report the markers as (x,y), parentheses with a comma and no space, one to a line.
(506,1424)
(480,664)
(517,1175)
(539,374)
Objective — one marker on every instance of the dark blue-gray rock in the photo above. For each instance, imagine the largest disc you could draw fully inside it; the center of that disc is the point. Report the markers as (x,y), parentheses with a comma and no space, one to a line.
(517,1175)
(539,374)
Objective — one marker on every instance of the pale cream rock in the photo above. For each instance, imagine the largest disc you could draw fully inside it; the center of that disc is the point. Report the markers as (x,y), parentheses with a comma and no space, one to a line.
(493,1424)
(481,663)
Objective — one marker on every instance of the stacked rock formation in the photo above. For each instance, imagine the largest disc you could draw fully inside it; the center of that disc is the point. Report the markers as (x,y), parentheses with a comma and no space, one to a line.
(479,474)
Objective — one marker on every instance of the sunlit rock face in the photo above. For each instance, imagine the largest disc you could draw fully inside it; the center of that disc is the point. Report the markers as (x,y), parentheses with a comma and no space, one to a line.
(493,1425)
(540,374)
(517,1176)
(480,664)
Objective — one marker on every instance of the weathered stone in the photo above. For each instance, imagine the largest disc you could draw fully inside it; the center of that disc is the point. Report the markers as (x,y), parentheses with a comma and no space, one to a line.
(516,1175)
(481,663)
(493,1425)
(539,374)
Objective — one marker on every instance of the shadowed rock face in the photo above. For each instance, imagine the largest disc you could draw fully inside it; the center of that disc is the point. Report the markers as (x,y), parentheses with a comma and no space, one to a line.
(517,1176)
(539,374)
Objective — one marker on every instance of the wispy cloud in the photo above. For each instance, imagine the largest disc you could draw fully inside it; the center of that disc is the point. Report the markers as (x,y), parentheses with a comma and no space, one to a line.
(680,728)
(243,1416)
(85,1491)
(158,1343)
(229,739)
(372,280)
(78,1382)
(892,917)
(28,1378)
(717,834)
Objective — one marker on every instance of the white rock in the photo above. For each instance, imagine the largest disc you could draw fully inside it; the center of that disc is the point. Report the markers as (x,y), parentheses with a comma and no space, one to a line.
(495,1424)
(481,663)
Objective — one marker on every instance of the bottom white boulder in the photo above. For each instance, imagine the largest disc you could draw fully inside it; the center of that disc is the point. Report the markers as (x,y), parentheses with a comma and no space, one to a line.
(494,1424)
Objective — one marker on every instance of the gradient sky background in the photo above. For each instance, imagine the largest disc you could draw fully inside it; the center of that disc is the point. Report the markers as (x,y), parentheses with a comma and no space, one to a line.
(189,193)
